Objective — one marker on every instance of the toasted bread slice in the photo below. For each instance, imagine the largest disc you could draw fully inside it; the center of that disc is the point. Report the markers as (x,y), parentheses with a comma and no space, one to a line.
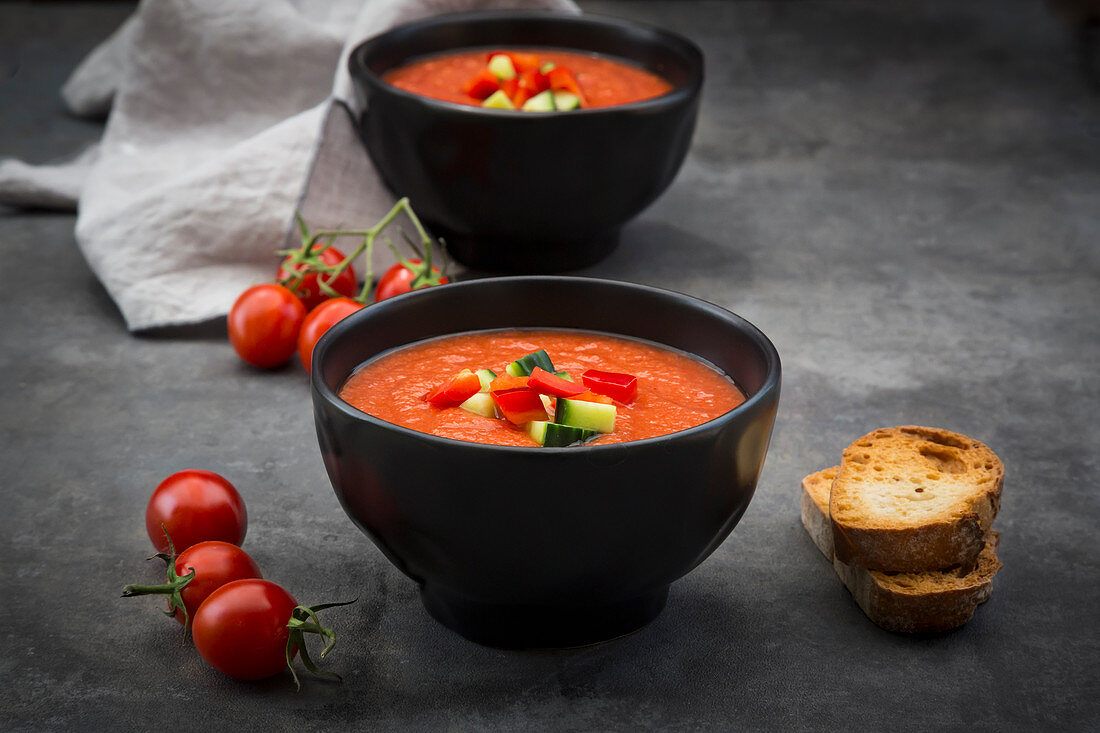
(909,499)
(931,601)
(935,600)
(815,508)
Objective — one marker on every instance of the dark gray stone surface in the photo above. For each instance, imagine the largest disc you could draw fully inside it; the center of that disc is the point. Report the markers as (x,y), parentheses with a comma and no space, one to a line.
(904,196)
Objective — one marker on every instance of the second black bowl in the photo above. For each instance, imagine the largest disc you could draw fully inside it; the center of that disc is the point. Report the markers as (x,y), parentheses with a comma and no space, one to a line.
(519,191)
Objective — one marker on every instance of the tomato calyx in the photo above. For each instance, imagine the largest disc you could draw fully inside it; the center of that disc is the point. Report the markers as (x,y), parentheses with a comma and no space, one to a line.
(307,260)
(173,588)
(424,275)
(303,620)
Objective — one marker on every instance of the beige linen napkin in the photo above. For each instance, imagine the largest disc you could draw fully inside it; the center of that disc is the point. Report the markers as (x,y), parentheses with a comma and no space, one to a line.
(224,119)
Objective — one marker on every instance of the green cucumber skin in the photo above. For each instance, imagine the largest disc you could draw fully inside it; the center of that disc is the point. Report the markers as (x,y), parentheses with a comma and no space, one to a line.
(523,366)
(591,415)
(554,435)
(562,436)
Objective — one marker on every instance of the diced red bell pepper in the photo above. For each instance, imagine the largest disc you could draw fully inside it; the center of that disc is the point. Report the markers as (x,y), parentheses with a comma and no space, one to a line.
(590,396)
(454,391)
(546,383)
(528,84)
(507,383)
(520,406)
(619,387)
(561,79)
(482,85)
(535,80)
(524,62)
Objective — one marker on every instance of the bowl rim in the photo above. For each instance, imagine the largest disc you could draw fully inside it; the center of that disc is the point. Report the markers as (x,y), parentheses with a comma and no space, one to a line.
(359,71)
(770,385)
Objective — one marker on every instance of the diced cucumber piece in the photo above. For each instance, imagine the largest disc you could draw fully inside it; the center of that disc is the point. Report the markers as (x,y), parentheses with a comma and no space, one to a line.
(541,102)
(547,67)
(566,100)
(591,415)
(501,67)
(565,376)
(554,435)
(536,430)
(523,366)
(481,404)
(485,376)
(498,100)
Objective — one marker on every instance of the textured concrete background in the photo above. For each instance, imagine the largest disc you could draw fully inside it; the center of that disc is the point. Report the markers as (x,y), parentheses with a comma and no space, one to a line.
(904,196)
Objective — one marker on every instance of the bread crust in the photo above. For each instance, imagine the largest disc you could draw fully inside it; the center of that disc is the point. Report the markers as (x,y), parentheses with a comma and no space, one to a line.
(815,508)
(933,601)
(912,498)
(920,602)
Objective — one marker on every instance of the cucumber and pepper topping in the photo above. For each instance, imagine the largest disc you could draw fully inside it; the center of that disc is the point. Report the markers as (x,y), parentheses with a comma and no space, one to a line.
(552,408)
(513,80)
(555,435)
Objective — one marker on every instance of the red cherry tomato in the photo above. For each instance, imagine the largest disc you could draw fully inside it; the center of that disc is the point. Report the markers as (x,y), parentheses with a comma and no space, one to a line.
(398,280)
(194,506)
(308,291)
(319,320)
(264,323)
(212,563)
(241,629)
(215,563)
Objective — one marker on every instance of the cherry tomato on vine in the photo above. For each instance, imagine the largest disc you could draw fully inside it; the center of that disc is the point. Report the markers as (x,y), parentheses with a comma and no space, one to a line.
(400,279)
(197,572)
(307,288)
(193,506)
(252,629)
(264,323)
(319,320)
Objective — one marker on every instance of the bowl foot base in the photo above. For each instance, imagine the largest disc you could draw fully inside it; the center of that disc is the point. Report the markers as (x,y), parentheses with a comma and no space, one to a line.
(527,257)
(542,627)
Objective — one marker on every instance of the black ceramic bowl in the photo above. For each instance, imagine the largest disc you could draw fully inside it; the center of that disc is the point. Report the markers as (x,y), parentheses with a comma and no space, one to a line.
(517,191)
(543,547)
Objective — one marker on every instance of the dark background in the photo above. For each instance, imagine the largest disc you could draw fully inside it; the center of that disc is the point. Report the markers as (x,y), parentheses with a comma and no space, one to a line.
(904,196)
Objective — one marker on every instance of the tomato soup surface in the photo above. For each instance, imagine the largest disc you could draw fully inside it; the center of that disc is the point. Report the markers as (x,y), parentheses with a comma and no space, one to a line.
(675,391)
(604,81)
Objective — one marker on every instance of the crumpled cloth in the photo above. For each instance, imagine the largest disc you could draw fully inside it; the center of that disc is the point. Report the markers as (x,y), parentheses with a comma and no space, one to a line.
(225,118)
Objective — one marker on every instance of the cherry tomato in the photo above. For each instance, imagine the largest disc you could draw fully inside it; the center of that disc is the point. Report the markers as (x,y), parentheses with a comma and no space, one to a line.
(241,629)
(194,506)
(264,324)
(212,563)
(398,280)
(308,290)
(319,320)
(215,563)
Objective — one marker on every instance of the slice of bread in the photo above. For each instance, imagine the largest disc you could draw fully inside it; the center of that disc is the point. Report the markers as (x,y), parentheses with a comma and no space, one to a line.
(910,499)
(931,601)
(936,600)
(815,508)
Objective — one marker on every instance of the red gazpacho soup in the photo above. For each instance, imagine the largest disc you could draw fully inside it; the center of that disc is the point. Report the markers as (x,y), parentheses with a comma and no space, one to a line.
(533,80)
(553,388)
